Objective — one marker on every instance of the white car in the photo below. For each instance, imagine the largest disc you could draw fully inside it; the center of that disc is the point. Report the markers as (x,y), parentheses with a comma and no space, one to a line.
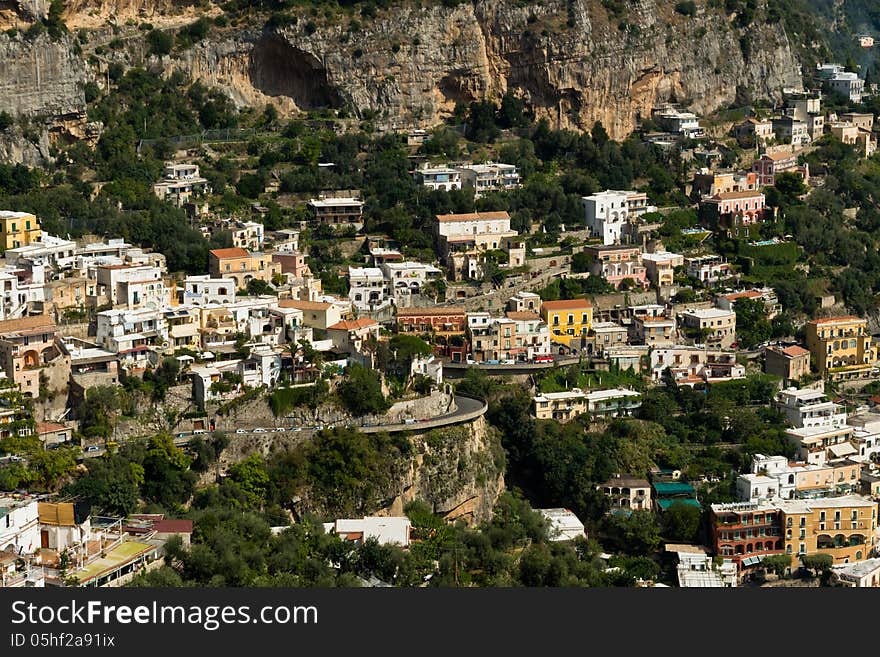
(296,429)
(259,430)
(277,429)
(241,431)
(199,431)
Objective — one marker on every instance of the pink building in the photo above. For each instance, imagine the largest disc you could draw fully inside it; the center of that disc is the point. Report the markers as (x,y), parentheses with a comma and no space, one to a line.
(768,165)
(735,212)
(292,263)
(616,263)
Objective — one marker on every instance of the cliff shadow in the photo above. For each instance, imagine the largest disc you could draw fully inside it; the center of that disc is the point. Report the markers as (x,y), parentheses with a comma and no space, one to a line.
(277,68)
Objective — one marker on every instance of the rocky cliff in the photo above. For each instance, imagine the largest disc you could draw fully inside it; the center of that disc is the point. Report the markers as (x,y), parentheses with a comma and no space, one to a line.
(571,60)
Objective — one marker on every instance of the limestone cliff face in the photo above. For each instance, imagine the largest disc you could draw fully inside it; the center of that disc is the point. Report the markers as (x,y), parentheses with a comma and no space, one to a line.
(409,66)
(40,77)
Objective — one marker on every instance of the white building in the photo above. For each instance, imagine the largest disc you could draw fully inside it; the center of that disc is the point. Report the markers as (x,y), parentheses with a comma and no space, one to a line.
(180,182)
(615,402)
(860,574)
(708,269)
(19,524)
(605,214)
(125,331)
(810,407)
(248,235)
(696,569)
(387,530)
(441,178)
(408,278)
(203,290)
(490,176)
(563,524)
(131,286)
(849,85)
(50,250)
(686,124)
(368,289)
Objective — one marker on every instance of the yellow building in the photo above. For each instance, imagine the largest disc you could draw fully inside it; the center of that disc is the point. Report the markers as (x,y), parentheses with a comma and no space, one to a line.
(840,347)
(18,229)
(569,320)
(844,527)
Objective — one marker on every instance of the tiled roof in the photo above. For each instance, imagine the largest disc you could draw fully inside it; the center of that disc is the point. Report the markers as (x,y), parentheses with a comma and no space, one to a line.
(27,324)
(353,324)
(229,253)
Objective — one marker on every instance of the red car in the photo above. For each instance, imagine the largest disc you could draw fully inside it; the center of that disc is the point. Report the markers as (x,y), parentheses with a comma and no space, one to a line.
(544,359)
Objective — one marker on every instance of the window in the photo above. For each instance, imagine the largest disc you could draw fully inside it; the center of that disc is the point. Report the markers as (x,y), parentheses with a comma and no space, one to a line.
(571,319)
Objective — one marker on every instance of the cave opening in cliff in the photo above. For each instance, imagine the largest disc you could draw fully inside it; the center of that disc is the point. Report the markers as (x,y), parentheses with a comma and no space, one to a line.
(279,69)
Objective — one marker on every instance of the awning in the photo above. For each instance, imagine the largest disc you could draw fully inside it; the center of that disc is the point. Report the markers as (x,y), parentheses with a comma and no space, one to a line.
(842,449)
(751,561)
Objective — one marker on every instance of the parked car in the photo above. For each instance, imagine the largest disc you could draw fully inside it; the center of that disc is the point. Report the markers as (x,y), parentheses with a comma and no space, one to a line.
(241,431)
(199,431)
(182,434)
(544,359)
(296,429)
(277,429)
(409,420)
(93,448)
(508,361)
(16,459)
(259,430)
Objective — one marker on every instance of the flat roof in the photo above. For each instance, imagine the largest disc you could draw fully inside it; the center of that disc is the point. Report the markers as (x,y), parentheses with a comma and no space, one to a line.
(566,304)
(472,216)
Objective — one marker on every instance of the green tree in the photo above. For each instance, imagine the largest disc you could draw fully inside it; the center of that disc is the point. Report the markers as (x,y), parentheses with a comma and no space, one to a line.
(160,42)
(777,563)
(818,563)
(361,392)
(681,522)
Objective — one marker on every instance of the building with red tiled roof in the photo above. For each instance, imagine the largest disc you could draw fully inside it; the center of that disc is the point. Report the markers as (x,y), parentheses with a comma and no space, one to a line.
(349,336)
(51,432)
(243,266)
(791,363)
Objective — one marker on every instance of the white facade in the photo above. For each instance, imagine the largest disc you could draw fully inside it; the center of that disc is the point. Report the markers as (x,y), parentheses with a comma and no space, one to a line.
(849,85)
(409,277)
(475,225)
(368,289)
(121,331)
(50,250)
(708,268)
(605,214)
(248,235)
(487,177)
(203,290)
(441,178)
(19,525)
(809,408)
